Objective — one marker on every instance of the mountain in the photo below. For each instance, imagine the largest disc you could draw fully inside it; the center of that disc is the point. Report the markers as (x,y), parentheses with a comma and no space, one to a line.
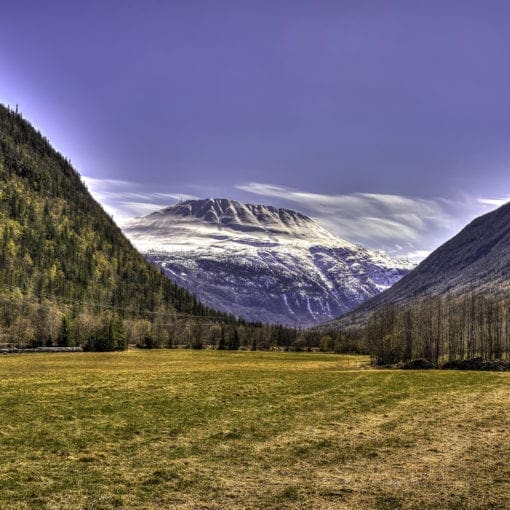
(260,262)
(476,260)
(58,244)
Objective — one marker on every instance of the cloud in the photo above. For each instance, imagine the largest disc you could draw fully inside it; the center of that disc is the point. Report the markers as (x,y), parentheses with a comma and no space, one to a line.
(418,255)
(125,200)
(400,225)
(496,202)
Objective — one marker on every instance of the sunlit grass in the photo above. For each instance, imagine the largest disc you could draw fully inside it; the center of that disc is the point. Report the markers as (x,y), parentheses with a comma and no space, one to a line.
(212,429)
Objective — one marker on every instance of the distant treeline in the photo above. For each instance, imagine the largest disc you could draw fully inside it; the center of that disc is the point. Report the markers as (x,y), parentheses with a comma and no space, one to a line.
(27,322)
(440,329)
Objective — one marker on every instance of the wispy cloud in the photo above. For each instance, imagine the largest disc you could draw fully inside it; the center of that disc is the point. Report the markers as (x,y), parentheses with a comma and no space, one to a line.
(496,202)
(400,225)
(125,200)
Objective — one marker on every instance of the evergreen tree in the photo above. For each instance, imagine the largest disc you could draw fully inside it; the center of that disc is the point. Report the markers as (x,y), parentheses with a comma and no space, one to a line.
(65,334)
(233,341)
(221,342)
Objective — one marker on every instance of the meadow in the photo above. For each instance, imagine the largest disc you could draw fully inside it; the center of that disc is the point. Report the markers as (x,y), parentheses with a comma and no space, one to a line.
(218,430)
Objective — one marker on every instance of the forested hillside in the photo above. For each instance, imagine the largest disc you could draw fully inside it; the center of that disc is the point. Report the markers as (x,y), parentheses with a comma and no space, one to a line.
(64,263)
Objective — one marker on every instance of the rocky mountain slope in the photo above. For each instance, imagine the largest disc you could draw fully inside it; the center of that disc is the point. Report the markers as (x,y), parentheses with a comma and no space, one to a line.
(260,262)
(477,259)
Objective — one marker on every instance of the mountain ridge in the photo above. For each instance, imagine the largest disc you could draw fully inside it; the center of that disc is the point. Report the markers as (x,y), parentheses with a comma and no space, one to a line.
(476,259)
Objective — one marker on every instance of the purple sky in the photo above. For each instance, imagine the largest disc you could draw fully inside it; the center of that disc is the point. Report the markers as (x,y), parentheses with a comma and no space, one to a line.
(389,122)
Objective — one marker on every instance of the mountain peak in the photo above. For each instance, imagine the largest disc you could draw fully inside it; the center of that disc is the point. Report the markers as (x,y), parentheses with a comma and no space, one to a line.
(261,262)
(225,211)
(233,218)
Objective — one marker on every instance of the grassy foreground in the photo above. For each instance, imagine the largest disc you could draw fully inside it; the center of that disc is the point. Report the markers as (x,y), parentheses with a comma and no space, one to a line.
(204,429)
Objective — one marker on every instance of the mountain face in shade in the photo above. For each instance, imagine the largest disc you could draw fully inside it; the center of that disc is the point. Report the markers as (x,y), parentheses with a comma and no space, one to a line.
(477,259)
(260,262)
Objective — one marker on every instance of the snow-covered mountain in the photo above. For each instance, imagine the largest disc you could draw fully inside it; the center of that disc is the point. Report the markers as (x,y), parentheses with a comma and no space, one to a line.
(260,262)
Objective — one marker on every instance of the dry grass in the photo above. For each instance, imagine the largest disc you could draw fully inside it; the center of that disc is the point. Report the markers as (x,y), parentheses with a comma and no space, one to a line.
(217,430)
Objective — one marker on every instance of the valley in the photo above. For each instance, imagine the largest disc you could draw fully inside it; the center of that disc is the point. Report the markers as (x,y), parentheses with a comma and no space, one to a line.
(254,256)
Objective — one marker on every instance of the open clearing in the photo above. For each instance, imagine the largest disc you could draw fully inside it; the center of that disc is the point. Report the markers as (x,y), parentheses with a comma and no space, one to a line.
(214,429)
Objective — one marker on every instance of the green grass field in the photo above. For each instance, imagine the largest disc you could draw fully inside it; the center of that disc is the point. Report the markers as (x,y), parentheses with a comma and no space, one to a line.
(213,429)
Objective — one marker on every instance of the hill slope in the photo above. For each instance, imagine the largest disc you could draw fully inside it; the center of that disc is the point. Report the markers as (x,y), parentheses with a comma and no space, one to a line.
(261,262)
(477,259)
(57,242)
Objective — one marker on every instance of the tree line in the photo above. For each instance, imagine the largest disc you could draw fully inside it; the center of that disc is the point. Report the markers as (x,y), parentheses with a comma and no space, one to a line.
(440,328)
(27,321)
